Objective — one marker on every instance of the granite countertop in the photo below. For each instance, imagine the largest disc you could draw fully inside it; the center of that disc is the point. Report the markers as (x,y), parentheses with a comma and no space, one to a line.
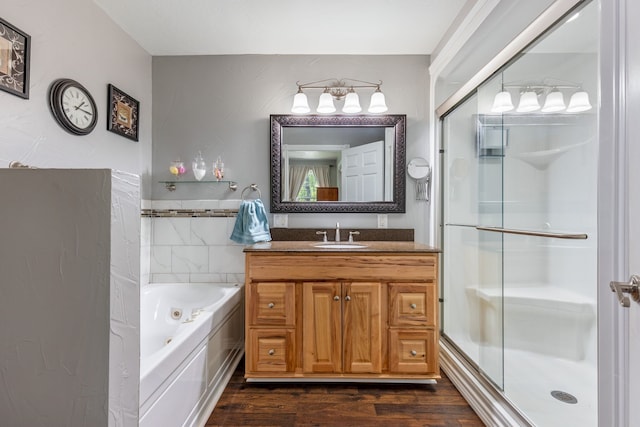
(369,246)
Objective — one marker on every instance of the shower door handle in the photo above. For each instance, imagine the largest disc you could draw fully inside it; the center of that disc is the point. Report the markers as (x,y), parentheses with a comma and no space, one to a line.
(631,287)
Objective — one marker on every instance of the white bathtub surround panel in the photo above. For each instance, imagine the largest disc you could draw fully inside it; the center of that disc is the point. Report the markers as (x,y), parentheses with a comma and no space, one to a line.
(190,259)
(201,204)
(226,258)
(235,277)
(169,278)
(209,231)
(145,250)
(174,406)
(194,249)
(209,278)
(230,204)
(124,341)
(171,231)
(166,204)
(160,259)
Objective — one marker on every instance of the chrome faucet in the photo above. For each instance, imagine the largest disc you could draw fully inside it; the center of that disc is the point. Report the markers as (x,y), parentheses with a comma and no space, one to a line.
(337,231)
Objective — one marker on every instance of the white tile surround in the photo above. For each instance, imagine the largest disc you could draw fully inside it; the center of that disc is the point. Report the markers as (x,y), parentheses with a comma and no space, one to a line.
(191,249)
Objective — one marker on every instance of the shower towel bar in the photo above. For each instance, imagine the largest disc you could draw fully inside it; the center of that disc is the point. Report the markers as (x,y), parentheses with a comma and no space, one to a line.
(577,236)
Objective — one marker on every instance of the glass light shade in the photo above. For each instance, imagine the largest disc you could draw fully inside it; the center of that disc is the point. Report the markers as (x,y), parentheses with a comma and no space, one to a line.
(554,102)
(579,102)
(377,104)
(528,102)
(325,104)
(300,104)
(351,103)
(502,103)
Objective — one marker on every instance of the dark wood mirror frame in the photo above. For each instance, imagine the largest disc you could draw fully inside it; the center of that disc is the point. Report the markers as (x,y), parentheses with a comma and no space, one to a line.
(396,121)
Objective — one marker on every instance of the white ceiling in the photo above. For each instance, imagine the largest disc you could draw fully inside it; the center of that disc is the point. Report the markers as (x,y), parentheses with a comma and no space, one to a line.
(227,27)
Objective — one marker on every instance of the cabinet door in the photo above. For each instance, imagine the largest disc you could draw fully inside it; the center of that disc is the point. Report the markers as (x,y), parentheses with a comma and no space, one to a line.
(413,351)
(321,337)
(362,328)
(271,350)
(412,304)
(272,303)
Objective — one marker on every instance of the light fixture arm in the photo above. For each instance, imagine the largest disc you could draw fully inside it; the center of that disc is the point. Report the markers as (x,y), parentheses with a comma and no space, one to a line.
(338,88)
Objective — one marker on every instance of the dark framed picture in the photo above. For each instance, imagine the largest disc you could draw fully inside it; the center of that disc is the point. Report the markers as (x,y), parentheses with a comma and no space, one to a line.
(123,113)
(15,46)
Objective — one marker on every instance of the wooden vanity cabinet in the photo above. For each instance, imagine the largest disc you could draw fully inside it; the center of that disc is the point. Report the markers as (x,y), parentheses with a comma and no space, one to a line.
(341,315)
(342,328)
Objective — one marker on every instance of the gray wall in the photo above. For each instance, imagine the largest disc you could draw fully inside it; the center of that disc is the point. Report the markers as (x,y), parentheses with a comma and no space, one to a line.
(220,105)
(75,39)
(54,309)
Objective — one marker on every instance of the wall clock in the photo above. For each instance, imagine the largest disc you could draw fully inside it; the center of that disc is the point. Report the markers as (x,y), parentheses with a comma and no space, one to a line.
(73,106)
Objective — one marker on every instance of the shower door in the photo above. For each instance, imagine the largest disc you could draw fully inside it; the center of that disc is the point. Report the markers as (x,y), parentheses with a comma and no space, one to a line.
(519,231)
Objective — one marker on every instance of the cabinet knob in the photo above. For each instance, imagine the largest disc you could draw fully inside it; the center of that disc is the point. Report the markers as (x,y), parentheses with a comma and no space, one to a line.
(347,298)
(413,352)
(413,306)
(271,305)
(336,298)
(271,352)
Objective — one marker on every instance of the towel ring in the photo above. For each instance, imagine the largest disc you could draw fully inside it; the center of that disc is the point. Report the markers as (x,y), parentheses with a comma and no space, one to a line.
(253,187)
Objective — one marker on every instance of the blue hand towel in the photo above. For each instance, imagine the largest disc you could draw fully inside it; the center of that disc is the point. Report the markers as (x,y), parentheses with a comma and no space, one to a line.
(251,223)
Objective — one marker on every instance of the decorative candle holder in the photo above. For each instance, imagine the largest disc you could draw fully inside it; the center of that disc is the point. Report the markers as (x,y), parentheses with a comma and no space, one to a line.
(218,168)
(177,168)
(199,167)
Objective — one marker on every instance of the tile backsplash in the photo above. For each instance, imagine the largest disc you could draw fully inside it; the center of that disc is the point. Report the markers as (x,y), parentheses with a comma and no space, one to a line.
(188,241)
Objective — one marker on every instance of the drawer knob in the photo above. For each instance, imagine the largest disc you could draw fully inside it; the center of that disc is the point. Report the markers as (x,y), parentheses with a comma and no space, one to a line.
(347,298)
(413,352)
(271,352)
(271,305)
(413,306)
(336,298)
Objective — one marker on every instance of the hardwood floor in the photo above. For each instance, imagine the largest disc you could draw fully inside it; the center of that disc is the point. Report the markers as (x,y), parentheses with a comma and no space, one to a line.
(295,404)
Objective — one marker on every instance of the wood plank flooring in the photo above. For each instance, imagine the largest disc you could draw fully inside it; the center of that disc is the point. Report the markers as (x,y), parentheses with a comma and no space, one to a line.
(294,404)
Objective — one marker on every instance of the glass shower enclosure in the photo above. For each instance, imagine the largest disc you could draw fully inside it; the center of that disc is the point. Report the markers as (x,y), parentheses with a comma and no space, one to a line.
(519,240)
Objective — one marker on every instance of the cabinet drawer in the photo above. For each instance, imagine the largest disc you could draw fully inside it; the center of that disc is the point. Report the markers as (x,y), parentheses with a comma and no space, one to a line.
(272,350)
(272,304)
(412,351)
(412,304)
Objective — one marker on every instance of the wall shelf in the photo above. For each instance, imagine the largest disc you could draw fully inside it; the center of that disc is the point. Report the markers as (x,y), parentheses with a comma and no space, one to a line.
(171,185)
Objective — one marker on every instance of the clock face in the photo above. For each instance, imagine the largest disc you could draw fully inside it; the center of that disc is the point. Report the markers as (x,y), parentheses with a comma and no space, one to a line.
(77,107)
(73,106)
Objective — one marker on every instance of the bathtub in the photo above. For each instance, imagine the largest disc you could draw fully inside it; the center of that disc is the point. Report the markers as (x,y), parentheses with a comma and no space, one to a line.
(191,340)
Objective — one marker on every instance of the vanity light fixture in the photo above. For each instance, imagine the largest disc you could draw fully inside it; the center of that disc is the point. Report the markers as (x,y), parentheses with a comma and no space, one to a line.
(579,102)
(554,102)
(528,102)
(300,104)
(336,90)
(502,102)
(531,94)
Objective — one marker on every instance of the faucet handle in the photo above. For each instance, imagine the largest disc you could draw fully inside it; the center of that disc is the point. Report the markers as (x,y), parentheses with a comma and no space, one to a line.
(324,235)
(351,233)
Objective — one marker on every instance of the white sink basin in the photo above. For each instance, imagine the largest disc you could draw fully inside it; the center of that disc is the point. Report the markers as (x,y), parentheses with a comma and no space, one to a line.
(339,246)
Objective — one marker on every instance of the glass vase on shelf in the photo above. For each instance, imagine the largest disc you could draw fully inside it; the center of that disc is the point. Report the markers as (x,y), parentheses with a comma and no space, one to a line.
(199,167)
(177,169)
(218,169)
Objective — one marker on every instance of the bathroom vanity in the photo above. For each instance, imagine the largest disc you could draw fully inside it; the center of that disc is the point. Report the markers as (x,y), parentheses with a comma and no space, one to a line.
(364,311)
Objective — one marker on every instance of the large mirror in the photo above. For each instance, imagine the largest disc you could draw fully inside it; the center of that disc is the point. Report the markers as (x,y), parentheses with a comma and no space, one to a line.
(338,163)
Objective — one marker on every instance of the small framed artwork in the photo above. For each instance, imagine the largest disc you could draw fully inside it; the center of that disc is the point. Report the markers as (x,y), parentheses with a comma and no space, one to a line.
(123,114)
(15,47)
